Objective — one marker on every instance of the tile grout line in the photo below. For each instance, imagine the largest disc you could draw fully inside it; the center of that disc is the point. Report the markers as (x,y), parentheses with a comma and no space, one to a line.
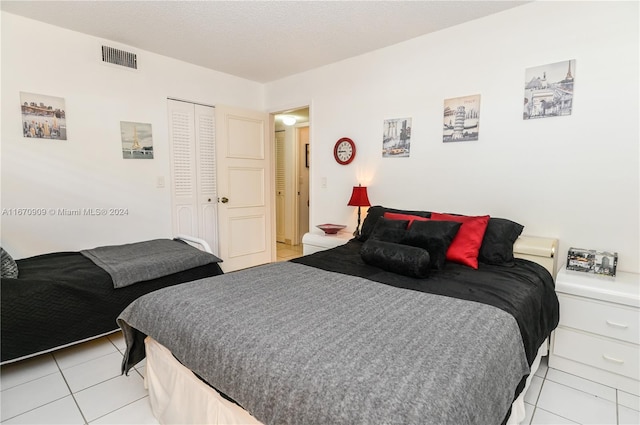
(567,419)
(587,392)
(535,406)
(128,404)
(84,419)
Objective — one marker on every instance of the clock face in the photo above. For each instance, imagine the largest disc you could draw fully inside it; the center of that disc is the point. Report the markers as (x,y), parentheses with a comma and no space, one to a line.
(344,151)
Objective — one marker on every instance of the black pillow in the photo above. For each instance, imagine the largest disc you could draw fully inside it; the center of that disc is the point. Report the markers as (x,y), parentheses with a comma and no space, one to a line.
(497,244)
(435,236)
(375,212)
(389,230)
(8,266)
(401,259)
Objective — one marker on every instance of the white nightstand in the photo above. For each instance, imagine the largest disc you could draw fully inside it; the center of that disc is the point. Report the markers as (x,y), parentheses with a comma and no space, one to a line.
(314,242)
(599,332)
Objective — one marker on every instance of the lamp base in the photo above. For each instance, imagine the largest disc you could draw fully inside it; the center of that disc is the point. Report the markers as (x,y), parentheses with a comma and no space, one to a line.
(357,232)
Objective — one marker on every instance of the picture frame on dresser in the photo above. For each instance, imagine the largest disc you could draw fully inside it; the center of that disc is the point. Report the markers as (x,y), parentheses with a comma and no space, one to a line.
(592,261)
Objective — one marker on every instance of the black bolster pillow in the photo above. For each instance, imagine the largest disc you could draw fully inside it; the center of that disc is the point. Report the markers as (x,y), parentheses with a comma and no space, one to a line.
(401,259)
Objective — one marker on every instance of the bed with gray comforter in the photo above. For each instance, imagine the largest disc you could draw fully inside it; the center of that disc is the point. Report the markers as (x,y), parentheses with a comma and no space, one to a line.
(329,339)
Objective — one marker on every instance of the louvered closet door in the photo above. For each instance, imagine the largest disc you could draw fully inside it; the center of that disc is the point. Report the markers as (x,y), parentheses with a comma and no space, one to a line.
(280,186)
(206,174)
(193,171)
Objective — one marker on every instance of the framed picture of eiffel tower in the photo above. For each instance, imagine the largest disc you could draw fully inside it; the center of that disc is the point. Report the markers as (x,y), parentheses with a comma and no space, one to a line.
(137,140)
(548,90)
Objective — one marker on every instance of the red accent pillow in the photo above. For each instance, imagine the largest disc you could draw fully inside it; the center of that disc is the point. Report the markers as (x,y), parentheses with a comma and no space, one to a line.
(466,245)
(411,218)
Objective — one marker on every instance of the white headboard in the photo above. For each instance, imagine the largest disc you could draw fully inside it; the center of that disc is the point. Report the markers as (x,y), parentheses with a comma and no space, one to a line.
(539,250)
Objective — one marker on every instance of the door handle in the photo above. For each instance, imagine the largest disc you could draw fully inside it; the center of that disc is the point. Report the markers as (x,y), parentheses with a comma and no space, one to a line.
(224,200)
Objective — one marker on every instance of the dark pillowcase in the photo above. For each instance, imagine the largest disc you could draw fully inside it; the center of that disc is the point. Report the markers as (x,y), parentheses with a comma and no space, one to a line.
(389,230)
(8,266)
(434,236)
(396,258)
(497,244)
(375,212)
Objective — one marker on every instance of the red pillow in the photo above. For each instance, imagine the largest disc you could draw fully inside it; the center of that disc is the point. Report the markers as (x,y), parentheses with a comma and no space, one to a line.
(465,246)
(398,216)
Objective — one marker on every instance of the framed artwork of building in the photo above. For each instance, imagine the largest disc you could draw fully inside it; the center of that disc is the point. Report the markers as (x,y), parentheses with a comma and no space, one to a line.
(548,90)
(43,117)
(396,138)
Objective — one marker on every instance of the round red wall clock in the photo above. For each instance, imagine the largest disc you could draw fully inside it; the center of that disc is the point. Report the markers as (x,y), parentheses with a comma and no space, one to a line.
(344,151)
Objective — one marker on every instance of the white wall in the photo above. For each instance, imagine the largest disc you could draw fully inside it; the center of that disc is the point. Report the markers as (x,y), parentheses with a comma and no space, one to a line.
(87,170)
(575,177)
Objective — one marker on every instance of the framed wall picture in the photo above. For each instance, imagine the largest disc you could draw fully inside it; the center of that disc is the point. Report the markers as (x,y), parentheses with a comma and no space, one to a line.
(461,119)
(548,90)
(137,140)
(396,138)
(43,117)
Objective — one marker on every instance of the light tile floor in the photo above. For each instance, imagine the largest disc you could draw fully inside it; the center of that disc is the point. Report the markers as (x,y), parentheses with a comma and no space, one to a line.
(288,252)
(83,385)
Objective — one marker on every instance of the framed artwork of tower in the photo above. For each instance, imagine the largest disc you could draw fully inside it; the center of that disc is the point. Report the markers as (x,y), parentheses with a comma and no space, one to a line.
(461,119)
(137,140)
(548,90)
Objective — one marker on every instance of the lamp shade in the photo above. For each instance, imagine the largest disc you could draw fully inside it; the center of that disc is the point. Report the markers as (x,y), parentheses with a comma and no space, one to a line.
(359,197)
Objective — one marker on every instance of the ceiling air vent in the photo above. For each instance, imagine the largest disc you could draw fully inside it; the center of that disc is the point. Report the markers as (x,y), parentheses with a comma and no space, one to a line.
(119,57)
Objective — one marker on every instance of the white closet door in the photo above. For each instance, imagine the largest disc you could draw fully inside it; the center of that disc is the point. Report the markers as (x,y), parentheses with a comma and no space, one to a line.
(193,172)
(280,186)
(206,175)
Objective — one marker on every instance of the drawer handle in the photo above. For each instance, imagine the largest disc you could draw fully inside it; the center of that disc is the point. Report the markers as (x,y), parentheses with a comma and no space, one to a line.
(612,359)
(617,325)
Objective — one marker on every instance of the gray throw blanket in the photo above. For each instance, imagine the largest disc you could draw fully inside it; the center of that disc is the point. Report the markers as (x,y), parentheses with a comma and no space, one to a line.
(293,344)
(136,262)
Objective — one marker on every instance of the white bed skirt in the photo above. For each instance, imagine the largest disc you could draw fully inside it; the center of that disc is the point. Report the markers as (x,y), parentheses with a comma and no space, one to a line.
(177,396)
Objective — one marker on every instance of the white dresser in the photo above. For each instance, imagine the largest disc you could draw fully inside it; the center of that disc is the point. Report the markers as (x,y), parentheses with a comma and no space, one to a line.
(599,332)
(314,242)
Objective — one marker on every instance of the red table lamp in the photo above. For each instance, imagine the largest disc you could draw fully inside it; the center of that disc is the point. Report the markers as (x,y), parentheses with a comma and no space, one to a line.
(359,199)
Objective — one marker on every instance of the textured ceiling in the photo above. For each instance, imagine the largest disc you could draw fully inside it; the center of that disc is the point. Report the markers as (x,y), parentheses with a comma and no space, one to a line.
(257,40)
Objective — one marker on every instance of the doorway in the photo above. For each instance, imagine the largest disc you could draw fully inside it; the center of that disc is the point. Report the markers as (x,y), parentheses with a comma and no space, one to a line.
(292,164)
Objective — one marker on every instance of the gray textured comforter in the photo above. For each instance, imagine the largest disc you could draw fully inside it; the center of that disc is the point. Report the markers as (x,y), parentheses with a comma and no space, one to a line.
(297,345)
(137,262)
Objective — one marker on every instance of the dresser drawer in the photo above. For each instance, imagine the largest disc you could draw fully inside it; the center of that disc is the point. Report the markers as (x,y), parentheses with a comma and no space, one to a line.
(611,320)
(617,357)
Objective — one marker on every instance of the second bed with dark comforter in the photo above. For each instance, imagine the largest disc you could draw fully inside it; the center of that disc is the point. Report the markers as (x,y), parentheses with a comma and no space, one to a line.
(63,298)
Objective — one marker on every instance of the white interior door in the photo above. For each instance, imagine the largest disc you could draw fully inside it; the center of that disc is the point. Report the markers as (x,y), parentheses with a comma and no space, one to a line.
(193,170)
(245,188)
(303,182)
